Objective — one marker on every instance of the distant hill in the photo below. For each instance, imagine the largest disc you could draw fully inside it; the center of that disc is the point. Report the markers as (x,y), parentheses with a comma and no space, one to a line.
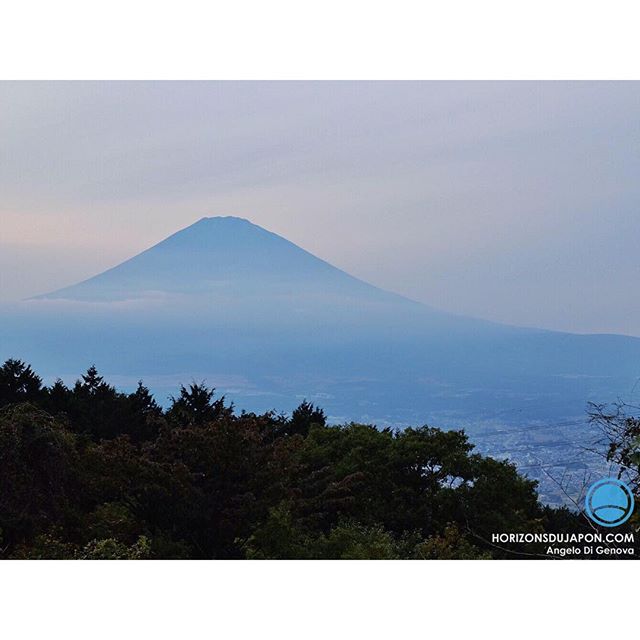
(269,324)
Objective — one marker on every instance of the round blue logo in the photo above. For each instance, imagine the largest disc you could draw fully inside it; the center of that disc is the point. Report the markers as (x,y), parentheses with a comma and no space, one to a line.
(609,502)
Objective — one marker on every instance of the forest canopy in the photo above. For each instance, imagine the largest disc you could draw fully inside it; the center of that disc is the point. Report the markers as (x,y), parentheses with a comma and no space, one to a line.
(90,472)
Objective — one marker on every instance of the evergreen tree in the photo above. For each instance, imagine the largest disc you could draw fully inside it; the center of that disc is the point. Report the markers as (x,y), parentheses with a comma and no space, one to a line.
(304,416)
(195,406)
(19,383)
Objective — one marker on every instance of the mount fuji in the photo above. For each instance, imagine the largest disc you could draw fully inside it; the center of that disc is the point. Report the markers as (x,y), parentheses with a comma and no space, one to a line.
(268,324)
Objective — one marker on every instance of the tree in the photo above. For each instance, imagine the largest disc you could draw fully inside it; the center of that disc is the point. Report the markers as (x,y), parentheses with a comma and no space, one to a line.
(195,406)
(451,545)
(37,472)
(98,410)
(19,383)
(620,429)
(303,417)
(92,382)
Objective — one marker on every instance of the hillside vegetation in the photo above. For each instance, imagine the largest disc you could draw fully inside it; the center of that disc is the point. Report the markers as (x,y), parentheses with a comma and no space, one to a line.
(89,472)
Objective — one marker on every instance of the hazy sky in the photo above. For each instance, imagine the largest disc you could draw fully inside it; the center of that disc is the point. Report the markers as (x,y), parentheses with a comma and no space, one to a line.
(516,202)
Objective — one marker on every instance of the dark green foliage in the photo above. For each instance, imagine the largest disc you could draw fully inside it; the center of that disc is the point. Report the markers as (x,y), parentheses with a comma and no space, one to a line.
(37,472)
(19,383)
(195,406)
(97,410)
(94,408)
(304,417)
(90,472)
